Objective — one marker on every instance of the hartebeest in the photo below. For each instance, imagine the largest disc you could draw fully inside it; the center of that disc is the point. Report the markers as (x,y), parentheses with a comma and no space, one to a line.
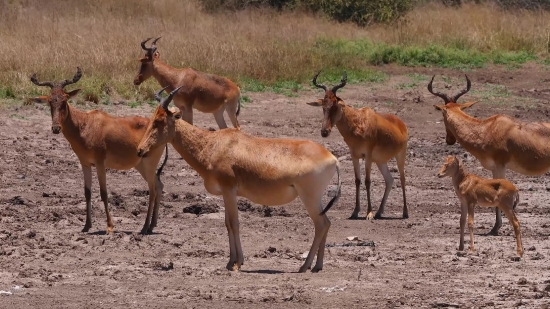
(472,189)
(498,142)
(100,139)
(206,92)
(375,137)
(266,171)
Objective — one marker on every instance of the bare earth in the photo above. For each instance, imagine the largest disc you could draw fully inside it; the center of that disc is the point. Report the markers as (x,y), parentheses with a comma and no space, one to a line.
(46,262)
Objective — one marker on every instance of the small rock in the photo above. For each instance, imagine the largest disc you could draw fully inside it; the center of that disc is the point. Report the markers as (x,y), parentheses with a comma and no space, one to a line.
(532,248)
(350,238)
(522,281)
(20,176)
(547,288)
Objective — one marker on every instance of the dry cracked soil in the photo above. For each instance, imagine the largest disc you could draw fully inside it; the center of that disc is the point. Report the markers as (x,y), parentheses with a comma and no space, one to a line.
(46,262)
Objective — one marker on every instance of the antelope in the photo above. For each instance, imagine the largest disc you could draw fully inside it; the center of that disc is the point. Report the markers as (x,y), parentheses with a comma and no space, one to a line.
(101,140)
(498,142)
(375,137)
(472,189)
(205,92)
(265,171)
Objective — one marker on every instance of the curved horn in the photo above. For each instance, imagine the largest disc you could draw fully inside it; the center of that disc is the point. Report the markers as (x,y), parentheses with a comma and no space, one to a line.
(143,44)
(342,83)
(168,99)
(36,82)
(157,94)
(461,93)
(318,85)
(153,45)
(441,95)
(75,79)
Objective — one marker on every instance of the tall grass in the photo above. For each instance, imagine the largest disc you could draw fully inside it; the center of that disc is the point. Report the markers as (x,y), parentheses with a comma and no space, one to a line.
(256,48)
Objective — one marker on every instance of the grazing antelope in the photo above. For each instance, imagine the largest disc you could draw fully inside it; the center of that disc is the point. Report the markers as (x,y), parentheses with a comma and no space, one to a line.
(100,139)
(206,92)
(498,142)
(375,137)
(472,189)
(265,171)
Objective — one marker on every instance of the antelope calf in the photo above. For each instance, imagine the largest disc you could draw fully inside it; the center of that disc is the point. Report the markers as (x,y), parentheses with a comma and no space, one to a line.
(101,140)
(265,171)
(375,137)
(472,189)
(205,92)
(498,142)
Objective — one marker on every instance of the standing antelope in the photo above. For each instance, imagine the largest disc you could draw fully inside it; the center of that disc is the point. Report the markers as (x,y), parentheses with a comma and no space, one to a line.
(369,135)
(498,142)
(206,92)
(100,139)
(266,171)
(472,189)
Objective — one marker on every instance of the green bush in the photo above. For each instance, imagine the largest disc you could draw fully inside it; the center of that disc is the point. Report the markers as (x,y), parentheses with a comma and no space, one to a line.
(361,12)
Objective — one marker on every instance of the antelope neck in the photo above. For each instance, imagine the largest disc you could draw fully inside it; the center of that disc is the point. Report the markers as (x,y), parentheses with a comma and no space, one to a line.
(72,124)
(464,127)
(190,142)
(346,123)
(459,176)
(164,74)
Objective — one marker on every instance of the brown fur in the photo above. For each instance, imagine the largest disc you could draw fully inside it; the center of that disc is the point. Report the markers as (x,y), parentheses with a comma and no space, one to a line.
(205,92)
(374,137)
(472,189)
(266,171)
(101,140)
(499,143)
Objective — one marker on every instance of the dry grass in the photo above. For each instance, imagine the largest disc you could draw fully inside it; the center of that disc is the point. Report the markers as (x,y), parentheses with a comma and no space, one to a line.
(102,36)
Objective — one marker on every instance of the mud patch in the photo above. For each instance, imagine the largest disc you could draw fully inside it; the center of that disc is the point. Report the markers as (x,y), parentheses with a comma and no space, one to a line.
(262,211)
(202,208)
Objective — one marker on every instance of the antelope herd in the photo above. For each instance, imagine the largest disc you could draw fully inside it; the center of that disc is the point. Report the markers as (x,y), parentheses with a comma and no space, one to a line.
(277,171)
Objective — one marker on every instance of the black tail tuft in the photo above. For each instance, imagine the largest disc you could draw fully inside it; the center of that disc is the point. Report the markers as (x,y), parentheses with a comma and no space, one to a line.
(238,107)
(338,193)
(159,171)
(516,201)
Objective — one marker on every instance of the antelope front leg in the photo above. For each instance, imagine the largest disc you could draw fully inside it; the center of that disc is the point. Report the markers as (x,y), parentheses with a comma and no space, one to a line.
(471,225)
(498,173)
(357,171)
(463,214)
(236,257)
(102,177)
(388,179)
(148,174)
(368,168)
(87,170)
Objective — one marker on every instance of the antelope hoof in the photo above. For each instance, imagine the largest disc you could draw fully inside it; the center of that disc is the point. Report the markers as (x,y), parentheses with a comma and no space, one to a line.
(316,269)
(370,216)
(377,216)
(144,231)
(461,248)
(493,232)
(109,229)
(406,215)
(303,269)
(354,216)
(86,229)
(233,266)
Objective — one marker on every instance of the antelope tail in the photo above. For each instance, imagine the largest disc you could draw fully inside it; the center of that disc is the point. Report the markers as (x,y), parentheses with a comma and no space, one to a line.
(239,107)
(516,201)
(159,171)
(338,193)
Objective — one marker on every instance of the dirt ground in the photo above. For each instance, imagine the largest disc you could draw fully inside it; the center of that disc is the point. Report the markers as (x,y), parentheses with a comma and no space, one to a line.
(46,262)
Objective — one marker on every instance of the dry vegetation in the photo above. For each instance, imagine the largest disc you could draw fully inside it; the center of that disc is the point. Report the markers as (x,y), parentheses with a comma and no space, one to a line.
(102,36)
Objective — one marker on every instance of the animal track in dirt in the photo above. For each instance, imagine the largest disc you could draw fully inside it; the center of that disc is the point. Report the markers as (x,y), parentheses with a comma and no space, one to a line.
(202,208)
(264,211)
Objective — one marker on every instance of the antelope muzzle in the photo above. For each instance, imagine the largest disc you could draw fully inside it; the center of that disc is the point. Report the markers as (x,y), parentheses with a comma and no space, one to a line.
(325,132)
(56,129)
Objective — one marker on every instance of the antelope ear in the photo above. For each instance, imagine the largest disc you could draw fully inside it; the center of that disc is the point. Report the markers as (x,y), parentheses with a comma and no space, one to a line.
(73,93)
(316,103)
(40,99)
(156,55)
(440,107)
(467,105)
